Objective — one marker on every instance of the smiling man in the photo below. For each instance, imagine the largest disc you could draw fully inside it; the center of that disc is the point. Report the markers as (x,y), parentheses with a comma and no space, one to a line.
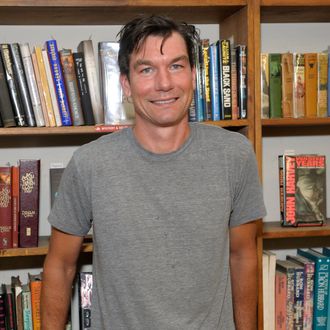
(172,205)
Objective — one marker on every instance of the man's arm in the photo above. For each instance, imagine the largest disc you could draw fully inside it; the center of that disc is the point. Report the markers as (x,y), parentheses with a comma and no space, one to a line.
(58,274)
(243,267)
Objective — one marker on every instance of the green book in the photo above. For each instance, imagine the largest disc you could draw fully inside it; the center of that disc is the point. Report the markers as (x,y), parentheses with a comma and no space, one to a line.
(275,86)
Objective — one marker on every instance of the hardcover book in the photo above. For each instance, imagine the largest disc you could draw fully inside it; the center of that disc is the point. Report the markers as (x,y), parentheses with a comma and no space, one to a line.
(9,307)
(298,85)
(214,82)
(305,190)
(311,84)
(26,307)
(287,85)
(117,110)
(85,283)
(12,86)
(22,83)
(5,208)
(71,84)
(35,283)
(17,294)
(205,44)
(58,79)
(86,47)
(280,300)
(32,84)
(322,85)
(264,85)
(241,60)
(2,309)
(29,172)
(234,85)
(275,86)
(15,205)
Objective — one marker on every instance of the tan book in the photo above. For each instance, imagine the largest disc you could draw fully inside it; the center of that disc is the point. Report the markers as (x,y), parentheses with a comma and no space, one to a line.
(39,86)
(311,84)
(298,85)
(322,85)
(287,85)
(264,85)
(45,86)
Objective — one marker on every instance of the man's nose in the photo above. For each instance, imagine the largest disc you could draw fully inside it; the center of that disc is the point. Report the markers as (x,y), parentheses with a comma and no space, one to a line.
(164,80)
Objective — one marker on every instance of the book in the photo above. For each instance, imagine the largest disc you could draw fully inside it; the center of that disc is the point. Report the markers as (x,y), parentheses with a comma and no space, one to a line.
(26,307)
(6,110)
(71,84)
(234,85)
(15,205)
(32,84)
(29,173)
(328,86)
(44,86)
(35,283)
(305,190)
(322,85)
(309,269)
(17,294)
(19,74)
(298,85)
(83,88)
(2,309)
(55,175)
(52,88)
(86,47)
(205,44)
(5,208)
(225,78)
(9,307)
(15,97)
(280,300)
(287,85)
(85,283)
(264,85)
(275,86)
(321,286)
(59,84)
(117,110)
(311,84)
(241,60)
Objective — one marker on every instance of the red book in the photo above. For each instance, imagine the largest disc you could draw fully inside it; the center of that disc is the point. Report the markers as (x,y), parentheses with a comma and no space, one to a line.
(5,208)
(29,175)
(15,204)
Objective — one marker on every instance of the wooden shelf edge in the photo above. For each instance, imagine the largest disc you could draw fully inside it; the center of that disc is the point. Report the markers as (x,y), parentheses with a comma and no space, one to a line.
(295,122)
(294,3)
(274,230)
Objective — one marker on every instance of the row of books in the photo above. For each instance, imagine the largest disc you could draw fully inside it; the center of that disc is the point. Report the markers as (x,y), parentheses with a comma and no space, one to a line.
(20,303)
(221,81)
(51,87)
(295,85)
(302,187)
(296,290)
(19,204)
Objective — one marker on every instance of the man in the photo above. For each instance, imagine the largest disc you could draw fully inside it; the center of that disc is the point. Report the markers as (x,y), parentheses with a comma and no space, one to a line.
(173,205)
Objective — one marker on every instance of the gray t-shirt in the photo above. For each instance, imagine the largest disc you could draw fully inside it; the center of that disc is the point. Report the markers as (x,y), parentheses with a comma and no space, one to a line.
(161,226)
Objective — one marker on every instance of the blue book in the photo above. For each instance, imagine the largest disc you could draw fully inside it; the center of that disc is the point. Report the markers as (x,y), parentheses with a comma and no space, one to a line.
(321,287)
(62,99)
(326,252)
(214,82)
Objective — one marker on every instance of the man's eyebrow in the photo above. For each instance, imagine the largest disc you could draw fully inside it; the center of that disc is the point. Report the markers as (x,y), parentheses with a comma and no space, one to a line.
(147,62)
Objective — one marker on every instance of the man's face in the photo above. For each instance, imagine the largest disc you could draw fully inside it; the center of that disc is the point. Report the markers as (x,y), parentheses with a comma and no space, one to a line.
(161,84)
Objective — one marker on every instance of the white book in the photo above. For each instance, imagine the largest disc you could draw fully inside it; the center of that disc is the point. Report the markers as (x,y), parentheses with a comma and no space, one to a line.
(52,88)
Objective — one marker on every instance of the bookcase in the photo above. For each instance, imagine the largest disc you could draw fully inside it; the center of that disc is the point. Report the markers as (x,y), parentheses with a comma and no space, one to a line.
(240,20)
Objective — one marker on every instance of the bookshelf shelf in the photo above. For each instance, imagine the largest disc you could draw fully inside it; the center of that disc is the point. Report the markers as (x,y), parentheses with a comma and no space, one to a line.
(295,122)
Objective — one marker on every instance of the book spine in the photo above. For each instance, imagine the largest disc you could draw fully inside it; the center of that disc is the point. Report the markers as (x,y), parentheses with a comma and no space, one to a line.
(86,47)
(32,85)
(322,85)
(310,84)
(9,306)
(62,99)
(2,309)
(70,79)
(264,85)
(12,86)
(280,301)
(328,88)
(5,208)
(27,308)
(35,283)
(309,296)
(299,298)
(45,87)
(287,85)
(6,110)
(17,294)
(298,85)
(51,86)
(214,82)
(225,79)
(241,60)
(290,190)
(198,95)
(83,88)
(15,205)
(22,83)
(85,281)
(281,185)
(275,86)
(206,79)
(234,85)
(29,202)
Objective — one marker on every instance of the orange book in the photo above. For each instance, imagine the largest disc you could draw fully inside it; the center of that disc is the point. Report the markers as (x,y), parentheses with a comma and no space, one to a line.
(287,85)
(15,204)
(311,84)
(35,282)
(45,86)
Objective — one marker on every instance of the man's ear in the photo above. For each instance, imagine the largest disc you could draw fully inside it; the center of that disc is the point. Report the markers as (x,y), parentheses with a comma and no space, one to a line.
(125,84)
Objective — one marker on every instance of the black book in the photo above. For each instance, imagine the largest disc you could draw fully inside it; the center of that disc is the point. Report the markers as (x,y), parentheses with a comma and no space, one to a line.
(2,308)
(83,88)
(22,83)
(6,110)
(12,86)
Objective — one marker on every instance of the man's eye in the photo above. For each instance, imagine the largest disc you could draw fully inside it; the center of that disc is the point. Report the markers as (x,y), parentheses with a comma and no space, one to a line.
(176,66)
(146,70)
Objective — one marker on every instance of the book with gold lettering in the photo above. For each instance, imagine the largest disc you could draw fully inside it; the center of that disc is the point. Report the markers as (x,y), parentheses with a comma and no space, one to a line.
(29,174)
(311,84)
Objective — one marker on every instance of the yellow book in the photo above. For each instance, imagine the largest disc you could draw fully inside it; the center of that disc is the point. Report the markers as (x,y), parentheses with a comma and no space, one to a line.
(45,86)
(322,85)
(287,85)
(311,84)
(264,85)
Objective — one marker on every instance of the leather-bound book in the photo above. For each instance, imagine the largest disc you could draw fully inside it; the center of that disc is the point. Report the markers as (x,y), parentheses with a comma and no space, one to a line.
(5,208)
